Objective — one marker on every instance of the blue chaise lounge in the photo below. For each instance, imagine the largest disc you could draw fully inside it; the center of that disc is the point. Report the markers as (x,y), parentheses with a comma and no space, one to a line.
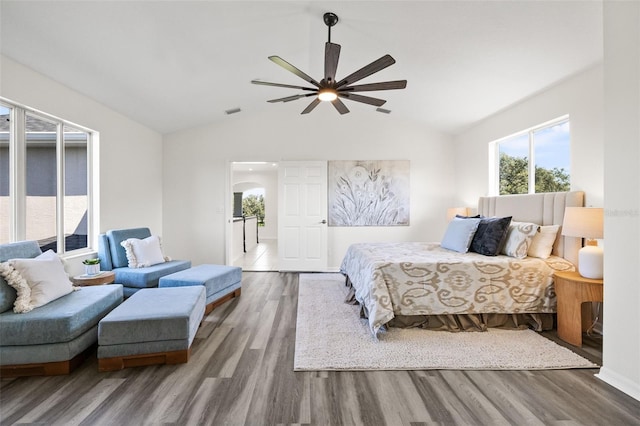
(51,339)
(113,257)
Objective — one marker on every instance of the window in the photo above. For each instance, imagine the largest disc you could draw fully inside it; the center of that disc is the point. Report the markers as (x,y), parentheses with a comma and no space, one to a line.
(532,161)
(45,189)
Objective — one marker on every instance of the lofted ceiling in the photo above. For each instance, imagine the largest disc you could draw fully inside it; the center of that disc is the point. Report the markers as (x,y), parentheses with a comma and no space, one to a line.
(172,65)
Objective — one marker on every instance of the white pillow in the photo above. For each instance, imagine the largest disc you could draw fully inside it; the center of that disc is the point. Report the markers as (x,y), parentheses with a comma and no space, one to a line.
(48,255)
(519,237)
(459,234)
(37,281)
(51,255)
(542,243)
(143,253)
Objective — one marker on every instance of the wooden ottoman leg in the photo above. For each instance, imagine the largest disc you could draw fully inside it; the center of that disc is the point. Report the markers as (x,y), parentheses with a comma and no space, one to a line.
(118,363)
(211,306)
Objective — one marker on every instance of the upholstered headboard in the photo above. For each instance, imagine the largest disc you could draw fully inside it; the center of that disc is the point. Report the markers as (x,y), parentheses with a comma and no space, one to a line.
(543,209)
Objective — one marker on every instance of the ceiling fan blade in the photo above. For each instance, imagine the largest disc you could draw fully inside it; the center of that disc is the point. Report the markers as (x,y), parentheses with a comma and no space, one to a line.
(290,98)
(364,99)
(341,107)
(331,55)
(367,70)
(311,106)
(385,85)
(287,66)
(288,86)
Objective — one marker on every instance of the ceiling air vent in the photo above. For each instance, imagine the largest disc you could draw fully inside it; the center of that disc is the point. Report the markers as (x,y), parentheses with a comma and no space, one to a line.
(232,111)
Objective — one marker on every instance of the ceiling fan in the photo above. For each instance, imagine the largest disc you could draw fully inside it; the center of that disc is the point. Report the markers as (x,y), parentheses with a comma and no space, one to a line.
(330,90)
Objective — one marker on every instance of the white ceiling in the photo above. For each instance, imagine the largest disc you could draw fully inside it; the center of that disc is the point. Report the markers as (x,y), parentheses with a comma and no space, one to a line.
(176,64)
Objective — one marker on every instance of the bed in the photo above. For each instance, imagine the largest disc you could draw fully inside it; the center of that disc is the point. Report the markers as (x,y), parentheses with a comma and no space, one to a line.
(416,284)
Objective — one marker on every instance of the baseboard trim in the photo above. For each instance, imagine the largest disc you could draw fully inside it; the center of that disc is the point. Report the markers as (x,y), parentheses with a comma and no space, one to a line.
(619,382)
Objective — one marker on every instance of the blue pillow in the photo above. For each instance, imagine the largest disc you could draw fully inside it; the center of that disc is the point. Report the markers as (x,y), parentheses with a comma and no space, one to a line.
(459,234)
(490,236)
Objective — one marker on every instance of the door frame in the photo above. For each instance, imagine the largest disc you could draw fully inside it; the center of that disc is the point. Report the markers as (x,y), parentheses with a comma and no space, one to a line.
(228,204)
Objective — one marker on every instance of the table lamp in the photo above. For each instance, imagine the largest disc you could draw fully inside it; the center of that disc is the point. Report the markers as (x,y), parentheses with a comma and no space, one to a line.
(453,211)
(586,222)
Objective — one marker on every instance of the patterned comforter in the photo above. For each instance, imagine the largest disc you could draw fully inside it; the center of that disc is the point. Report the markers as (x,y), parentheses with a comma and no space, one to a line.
(424,279)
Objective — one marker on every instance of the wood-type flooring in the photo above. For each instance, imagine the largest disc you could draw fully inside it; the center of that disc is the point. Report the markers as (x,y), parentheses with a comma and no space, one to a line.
(241,372)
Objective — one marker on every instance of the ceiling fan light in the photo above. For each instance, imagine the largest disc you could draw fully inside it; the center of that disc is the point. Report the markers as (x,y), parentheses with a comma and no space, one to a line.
(327,95)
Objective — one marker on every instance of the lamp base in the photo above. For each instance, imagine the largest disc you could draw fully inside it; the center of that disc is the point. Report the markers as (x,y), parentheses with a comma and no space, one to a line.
(590,262)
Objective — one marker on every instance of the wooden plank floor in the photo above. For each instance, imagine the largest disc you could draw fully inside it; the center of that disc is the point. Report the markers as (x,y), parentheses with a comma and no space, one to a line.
(241,372)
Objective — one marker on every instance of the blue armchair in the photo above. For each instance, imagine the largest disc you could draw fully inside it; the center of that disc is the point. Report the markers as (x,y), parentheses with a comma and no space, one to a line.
(113,257)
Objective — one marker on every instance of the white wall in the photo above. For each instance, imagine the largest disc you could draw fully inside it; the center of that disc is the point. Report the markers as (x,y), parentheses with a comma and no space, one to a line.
(621,351)
(581,97)
(130,168)
(196,159)
(269,181)
(605,156)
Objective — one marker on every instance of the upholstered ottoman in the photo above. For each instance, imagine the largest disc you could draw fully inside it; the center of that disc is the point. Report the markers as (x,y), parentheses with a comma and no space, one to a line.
(222,282)
(153,326)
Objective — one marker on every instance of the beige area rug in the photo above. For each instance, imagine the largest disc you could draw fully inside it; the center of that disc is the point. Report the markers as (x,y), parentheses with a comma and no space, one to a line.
(330,335)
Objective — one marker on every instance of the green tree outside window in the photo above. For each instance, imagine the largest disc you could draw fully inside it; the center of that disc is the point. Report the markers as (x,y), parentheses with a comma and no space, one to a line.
(253,205)
(514,177)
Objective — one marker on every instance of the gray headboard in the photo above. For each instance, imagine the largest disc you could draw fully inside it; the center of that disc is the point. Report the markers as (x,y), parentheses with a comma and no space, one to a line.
(543,209)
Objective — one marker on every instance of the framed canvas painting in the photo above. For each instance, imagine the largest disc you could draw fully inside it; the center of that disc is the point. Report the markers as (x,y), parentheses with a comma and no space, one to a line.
(368,193)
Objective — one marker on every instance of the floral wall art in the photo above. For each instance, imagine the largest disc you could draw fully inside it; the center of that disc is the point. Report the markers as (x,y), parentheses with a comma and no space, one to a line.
(368,193)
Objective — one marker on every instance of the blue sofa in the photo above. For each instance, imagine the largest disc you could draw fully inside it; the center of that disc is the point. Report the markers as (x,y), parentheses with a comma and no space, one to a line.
(113,257)
(54,338)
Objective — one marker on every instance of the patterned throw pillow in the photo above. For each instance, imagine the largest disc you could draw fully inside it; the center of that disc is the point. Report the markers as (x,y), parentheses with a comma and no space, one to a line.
(519,237)
(490,235)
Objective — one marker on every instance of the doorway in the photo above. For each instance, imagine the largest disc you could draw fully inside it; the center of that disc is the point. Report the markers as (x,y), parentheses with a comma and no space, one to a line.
(252,242)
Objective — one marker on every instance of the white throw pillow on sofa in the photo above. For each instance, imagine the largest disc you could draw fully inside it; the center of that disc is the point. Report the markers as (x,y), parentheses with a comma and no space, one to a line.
(37,281)
(143,253)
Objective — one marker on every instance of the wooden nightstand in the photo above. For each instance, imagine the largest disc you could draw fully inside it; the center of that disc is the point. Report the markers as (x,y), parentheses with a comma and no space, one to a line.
(574,316)
(104,277)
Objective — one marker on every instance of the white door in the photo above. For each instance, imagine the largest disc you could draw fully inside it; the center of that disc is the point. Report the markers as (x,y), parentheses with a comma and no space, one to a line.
(302,216)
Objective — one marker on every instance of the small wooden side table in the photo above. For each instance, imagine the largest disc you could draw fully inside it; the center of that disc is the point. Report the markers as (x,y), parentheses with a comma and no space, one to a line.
(574,316)
(104,277)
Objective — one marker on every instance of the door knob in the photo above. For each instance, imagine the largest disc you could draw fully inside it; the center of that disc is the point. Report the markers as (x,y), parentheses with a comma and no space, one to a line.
(323,221)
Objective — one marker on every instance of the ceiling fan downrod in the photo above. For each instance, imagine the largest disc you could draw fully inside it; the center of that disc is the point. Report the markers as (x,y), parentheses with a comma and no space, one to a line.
(330,19)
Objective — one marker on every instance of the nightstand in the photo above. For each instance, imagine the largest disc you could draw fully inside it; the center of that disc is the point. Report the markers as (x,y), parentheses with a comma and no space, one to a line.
(104,277)
(574,316)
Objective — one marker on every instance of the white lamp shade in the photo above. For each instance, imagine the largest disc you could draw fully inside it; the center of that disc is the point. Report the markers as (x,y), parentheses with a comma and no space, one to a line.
(583,222)
(586,222)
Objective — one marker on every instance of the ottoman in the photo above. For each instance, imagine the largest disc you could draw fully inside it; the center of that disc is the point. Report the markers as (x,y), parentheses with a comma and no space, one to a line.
(222,283)
(153,326)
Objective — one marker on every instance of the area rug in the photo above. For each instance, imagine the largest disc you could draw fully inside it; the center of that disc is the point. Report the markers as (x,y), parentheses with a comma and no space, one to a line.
(330,335)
